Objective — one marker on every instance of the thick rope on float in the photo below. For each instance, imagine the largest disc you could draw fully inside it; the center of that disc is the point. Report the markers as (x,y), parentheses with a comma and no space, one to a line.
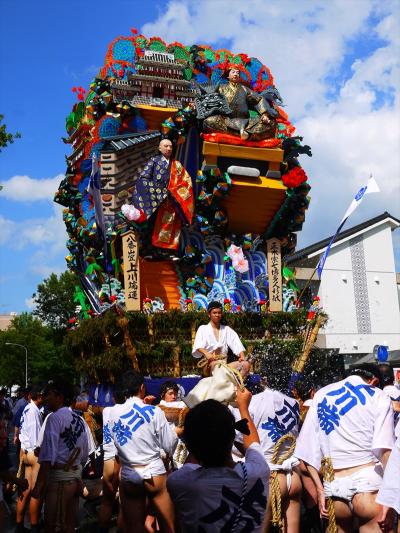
(274,488)
(328,474)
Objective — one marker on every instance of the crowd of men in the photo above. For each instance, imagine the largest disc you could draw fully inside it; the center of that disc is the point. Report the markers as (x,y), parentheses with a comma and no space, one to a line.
(332,454)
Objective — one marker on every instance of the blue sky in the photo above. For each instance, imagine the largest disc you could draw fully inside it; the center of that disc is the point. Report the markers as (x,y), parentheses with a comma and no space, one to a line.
(336,66)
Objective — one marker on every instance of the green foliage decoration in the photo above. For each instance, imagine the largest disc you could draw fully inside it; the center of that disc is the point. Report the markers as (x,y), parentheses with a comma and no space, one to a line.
(98,349)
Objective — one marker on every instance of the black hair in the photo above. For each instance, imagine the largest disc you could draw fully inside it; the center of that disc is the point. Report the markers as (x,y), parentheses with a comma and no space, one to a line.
(166,386)
(304,388)
(131,383)
(367,371)
(209,433)
(36,392)
(62,388)
(387,374)
(214,305)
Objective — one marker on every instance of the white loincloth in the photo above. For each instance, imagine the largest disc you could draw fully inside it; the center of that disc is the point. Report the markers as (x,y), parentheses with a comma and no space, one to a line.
(136,474)
(368,479)
(285,468)
(220,386)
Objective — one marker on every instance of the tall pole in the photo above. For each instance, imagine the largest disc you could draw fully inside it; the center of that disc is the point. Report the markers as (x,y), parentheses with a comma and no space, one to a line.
(26,359)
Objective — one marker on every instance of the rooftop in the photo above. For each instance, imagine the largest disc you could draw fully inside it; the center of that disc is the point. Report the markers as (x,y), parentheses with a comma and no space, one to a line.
(120,142)
(319,246)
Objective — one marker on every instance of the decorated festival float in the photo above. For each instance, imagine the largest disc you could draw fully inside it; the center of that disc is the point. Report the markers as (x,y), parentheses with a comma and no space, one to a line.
(153,239)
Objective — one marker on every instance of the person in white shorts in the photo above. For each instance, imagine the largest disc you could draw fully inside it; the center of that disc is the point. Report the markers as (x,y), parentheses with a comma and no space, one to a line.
(139,432)
(349,423)
(31,422)
(63,452)
(211,492)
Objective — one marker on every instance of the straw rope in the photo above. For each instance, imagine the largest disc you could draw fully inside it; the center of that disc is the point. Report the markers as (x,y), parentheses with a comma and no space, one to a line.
(275,491)
(328,474)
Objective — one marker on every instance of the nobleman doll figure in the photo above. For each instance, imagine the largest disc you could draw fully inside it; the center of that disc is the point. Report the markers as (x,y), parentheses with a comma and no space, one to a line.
(164,192)
(241,100)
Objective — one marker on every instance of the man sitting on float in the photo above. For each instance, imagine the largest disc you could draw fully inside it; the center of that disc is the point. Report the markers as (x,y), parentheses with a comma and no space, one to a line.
(241,100)
(211,344)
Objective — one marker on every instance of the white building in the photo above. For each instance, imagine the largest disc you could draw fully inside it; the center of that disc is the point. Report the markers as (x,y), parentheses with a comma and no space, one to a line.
(358,289)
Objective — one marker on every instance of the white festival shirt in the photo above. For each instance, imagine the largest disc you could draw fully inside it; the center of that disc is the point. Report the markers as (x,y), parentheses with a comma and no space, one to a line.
(89,436)
(140,431)
(63,433)
(109,449)
(31,422)
(389,492)
(349,421)
(392,392)
(208,498)
(274,415)
(205,338)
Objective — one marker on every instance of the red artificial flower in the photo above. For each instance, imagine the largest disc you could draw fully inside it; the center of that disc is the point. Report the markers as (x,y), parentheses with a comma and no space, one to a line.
(81,96)
(226,300)
(74,89)
(294,178)
(72,320)
(134,31)
(245,58)
(113,298)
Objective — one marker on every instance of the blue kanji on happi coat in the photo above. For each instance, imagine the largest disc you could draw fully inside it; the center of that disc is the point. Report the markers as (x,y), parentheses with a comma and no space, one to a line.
(129,422)
(284,421)
(229,507)
(151,187)
(71,434)
(107,438)
(347,397)
(26,409)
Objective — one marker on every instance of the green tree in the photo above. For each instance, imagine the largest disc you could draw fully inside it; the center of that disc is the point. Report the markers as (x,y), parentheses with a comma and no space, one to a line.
(6,138)
(54,299)
(46,357)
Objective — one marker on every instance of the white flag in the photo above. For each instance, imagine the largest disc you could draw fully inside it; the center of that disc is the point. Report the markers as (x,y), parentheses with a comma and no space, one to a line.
(370,187)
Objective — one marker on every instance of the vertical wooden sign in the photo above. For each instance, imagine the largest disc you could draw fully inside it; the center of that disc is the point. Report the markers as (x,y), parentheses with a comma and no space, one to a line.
(131,271)
(274,274)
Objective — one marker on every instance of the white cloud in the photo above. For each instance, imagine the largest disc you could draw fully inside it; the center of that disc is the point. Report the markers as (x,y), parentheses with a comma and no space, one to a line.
(7,229)
(30,303)
(27,189)
(43,239)
(353,125)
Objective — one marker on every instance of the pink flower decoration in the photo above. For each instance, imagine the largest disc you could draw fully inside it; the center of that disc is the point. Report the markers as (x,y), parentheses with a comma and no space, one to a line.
(241,265)
(235,252)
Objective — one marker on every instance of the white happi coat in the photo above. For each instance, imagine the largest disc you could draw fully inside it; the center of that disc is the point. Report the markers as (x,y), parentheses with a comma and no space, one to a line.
(109,449)
(139,431)
(349,421)
(392,392)
(389,492)
(205,338)
(63,433)
(274,415)
(31,422)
